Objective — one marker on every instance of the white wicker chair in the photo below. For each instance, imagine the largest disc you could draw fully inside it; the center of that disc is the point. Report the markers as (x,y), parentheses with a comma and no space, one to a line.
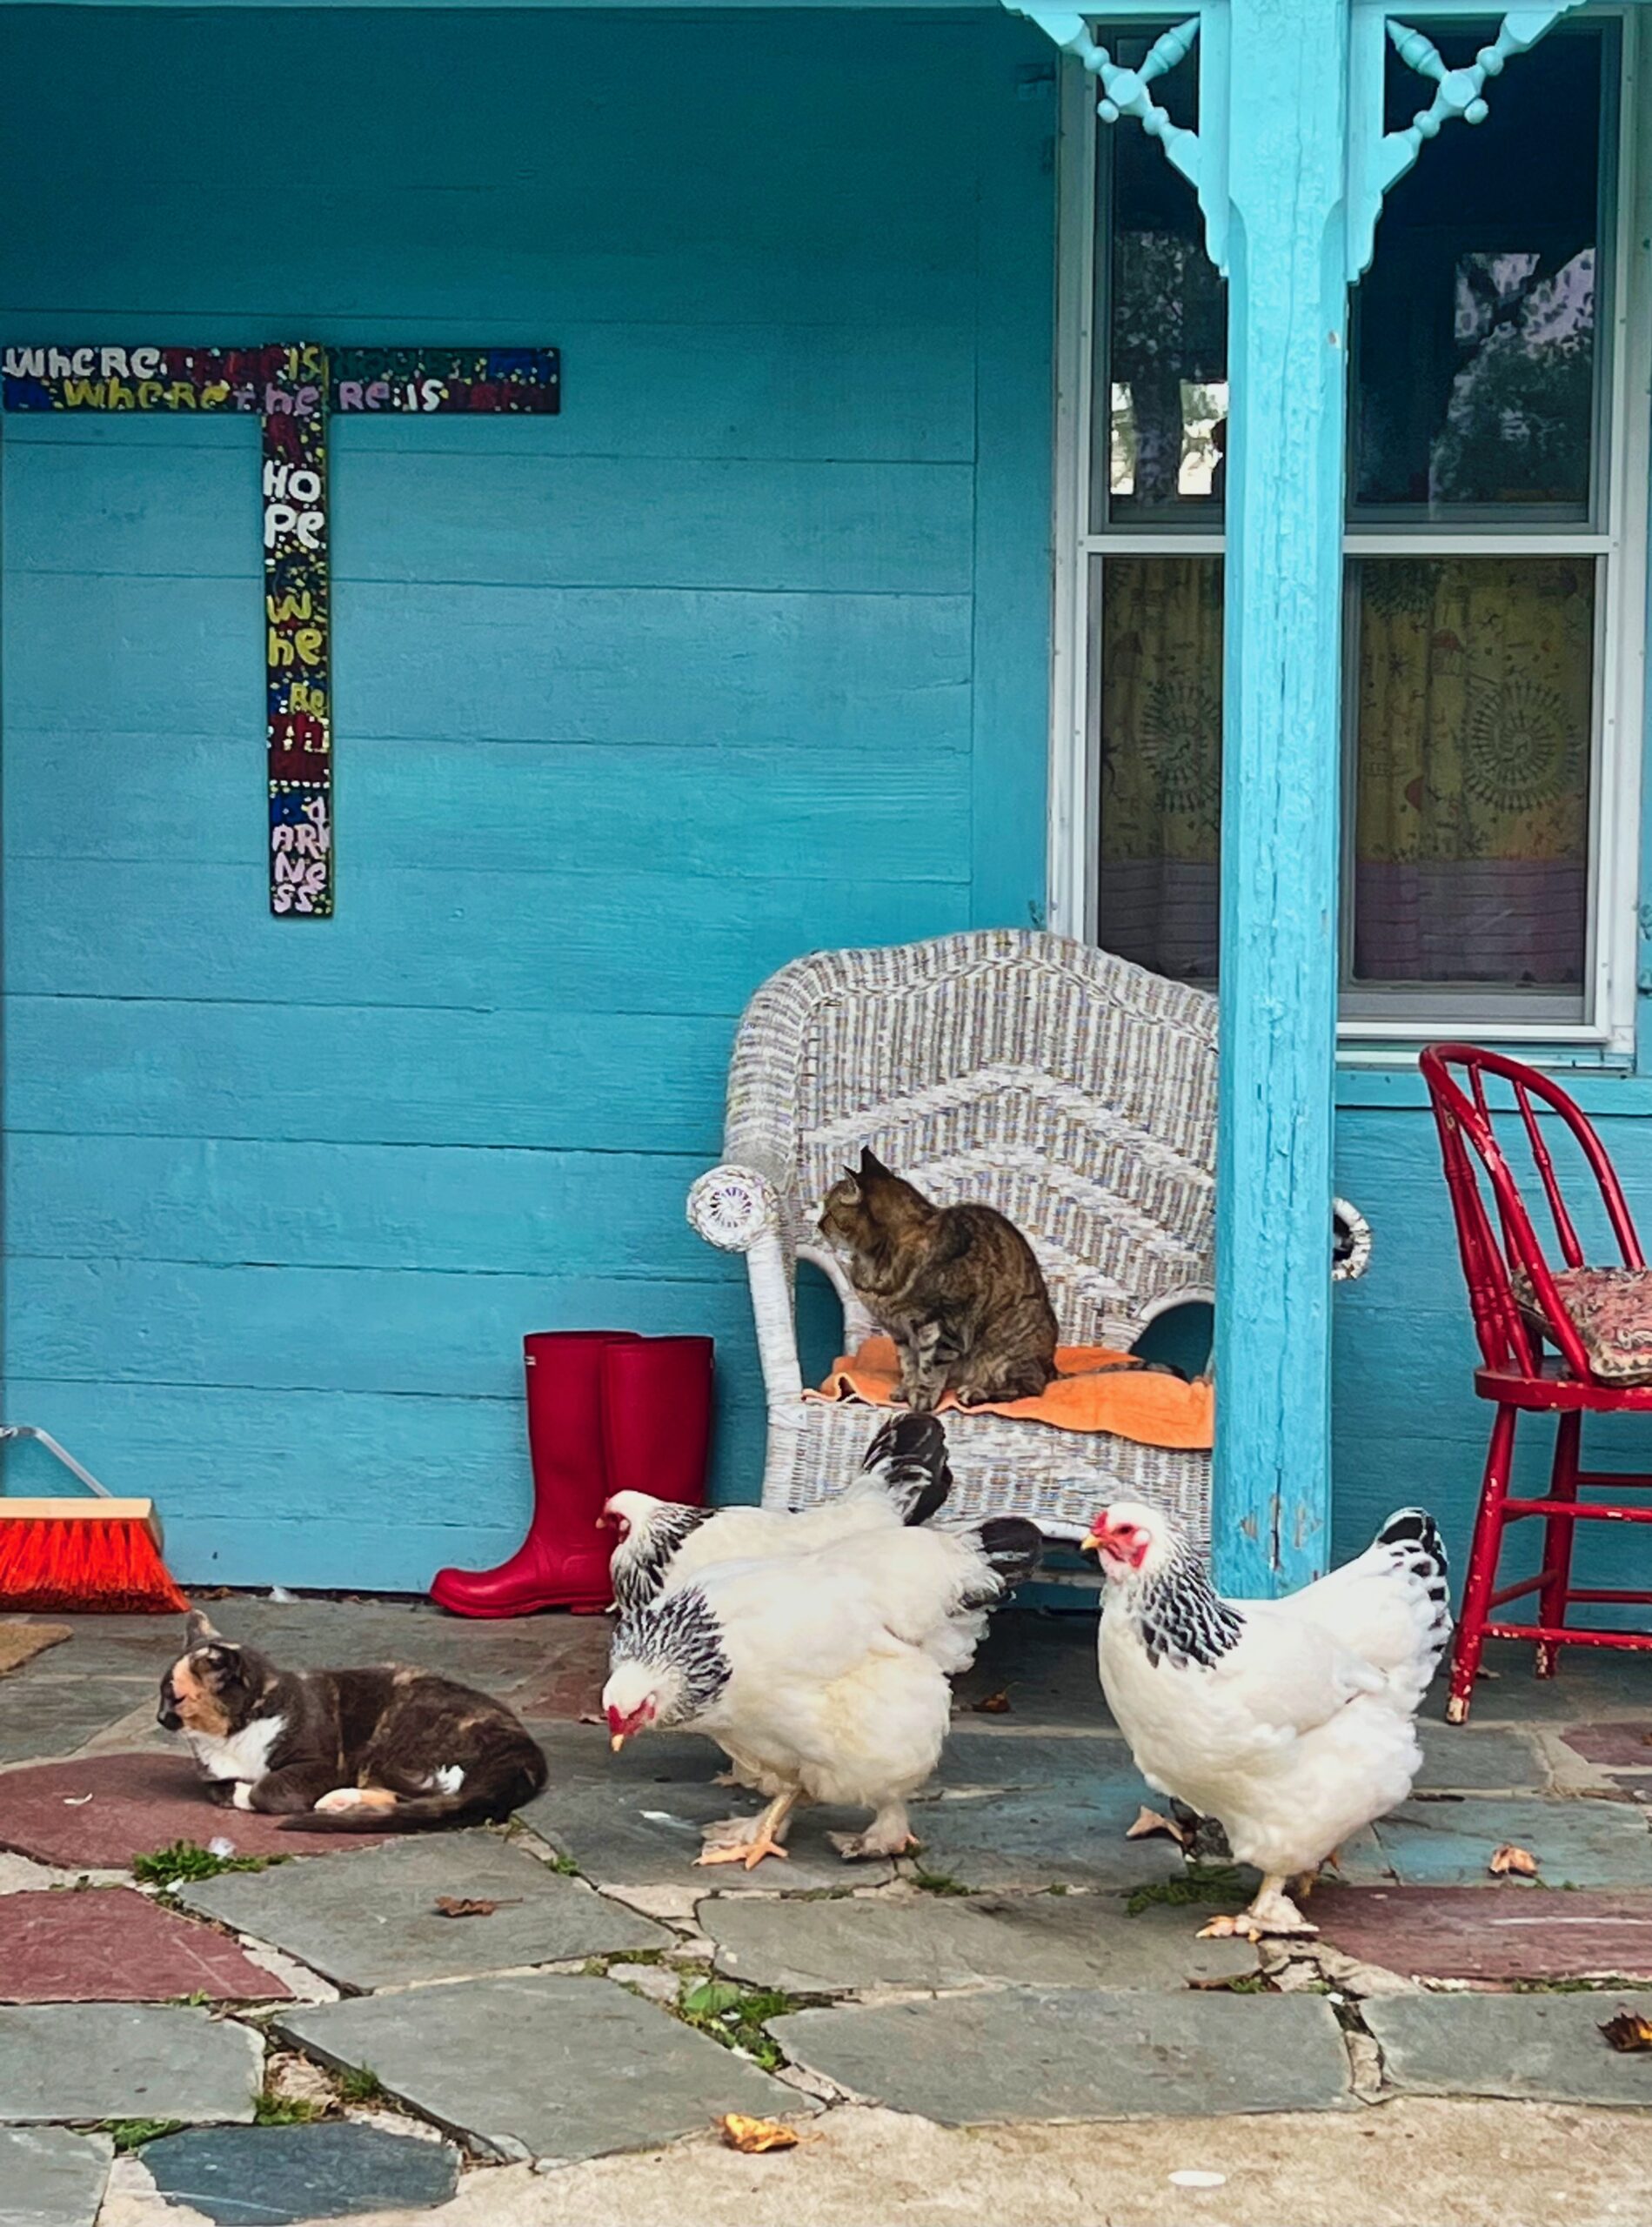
(1070,1089)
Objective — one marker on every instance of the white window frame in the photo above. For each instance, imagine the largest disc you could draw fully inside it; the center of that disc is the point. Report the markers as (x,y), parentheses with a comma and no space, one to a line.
(1619,550)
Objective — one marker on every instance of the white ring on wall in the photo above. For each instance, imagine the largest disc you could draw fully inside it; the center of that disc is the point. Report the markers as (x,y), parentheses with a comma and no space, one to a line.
(1352,1225)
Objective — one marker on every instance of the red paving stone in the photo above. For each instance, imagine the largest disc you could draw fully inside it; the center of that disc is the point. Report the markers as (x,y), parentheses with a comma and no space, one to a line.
(112,1944)
(1625,1746)
(139,1803)
(1489,1933)
(570,1685)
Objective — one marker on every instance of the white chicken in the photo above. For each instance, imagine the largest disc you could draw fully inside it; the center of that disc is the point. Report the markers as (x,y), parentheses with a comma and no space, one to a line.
(819,1675)
(904,1481)
(1290,1721)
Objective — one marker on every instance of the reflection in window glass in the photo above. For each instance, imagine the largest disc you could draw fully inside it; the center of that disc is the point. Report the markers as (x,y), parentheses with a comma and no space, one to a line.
(1160,402)
(1159,713)
(1472,804)
(1476,355)
(1165,455)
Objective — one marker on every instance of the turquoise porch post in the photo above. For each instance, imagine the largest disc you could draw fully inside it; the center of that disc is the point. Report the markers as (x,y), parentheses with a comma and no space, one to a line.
(1286,121)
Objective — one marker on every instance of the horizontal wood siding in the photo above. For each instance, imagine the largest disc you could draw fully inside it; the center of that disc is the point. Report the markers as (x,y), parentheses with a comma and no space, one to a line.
(631,706)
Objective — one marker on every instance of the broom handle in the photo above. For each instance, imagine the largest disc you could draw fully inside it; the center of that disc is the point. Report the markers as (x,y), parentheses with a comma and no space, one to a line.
(45,1439)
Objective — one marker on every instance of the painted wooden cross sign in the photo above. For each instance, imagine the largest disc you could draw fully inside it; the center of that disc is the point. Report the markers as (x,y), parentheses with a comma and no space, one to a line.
(293,391)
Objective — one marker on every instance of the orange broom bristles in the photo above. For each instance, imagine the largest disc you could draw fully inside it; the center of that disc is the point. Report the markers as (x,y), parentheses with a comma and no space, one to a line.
(91,1561)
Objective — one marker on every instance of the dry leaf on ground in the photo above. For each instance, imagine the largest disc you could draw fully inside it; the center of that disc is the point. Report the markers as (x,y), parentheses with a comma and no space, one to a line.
(754,2137)
(1149,1822)
(990,1705)
(460,1906)
(1509,1860)
(1628,2030)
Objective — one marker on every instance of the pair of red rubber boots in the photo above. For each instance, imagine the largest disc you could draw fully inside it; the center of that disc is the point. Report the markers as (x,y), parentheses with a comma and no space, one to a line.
(608,1412)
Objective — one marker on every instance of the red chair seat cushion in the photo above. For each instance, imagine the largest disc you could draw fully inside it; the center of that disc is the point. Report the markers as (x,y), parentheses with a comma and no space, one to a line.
(1611,1311)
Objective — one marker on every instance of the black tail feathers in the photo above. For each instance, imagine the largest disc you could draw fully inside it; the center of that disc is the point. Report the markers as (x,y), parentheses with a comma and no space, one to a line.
(1013,1545)
(908,1456)
(1412,1533)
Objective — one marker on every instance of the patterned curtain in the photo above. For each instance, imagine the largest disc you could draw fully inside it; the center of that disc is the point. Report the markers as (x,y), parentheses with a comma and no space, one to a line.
(1472,837)
(1161,729)
(1475,689)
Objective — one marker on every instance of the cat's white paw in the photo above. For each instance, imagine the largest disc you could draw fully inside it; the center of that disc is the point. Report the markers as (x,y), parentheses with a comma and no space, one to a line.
(342,1797)
(242,1798)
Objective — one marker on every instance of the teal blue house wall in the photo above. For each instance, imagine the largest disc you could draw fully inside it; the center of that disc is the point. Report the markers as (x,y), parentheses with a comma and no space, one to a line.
(745,653)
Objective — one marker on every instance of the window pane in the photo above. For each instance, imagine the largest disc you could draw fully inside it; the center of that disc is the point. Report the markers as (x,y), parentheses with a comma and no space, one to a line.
(1161,401)
(1475,682)
(1159,716)
(1475,339)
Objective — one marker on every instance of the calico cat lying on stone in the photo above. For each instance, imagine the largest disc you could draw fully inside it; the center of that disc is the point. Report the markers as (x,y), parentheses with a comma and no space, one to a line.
(957,1288)
(346,1751)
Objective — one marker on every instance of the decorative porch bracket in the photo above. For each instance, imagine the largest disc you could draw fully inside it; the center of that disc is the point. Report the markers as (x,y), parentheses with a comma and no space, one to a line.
(1199,155)
(1377,159)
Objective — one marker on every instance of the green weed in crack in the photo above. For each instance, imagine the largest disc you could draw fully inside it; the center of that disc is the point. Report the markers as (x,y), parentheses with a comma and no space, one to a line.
(1572,1986)
(938,1882)
(1200,1884)
(271,2109)
(132,2134)
(737,2016)
(184,1861)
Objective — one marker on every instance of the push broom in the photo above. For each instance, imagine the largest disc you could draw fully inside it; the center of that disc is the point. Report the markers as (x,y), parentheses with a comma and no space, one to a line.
(103,1553)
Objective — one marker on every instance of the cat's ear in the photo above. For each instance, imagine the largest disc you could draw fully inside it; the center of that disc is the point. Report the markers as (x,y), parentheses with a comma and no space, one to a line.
(851,1187)
(871,1165)
(198,1630)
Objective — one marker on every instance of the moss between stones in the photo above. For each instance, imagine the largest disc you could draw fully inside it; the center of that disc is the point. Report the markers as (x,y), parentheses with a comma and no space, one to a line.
(132,2134)
(1199,1884)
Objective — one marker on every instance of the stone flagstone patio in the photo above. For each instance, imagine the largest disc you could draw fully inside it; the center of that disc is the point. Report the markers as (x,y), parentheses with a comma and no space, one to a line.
(292,2029)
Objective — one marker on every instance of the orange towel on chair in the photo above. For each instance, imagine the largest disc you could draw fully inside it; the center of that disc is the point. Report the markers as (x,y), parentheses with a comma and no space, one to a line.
(1091,1392)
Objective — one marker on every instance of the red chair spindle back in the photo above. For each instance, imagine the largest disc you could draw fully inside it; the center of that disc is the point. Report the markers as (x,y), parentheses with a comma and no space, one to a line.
(1465,1121)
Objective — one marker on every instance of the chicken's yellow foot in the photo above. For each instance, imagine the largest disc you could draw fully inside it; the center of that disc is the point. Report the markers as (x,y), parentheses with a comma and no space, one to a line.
(763,1839)
(750,1853)
(1272,1910)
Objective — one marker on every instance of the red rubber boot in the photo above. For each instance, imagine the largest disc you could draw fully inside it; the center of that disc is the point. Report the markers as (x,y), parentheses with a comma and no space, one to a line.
(656,1417)
(563,1562)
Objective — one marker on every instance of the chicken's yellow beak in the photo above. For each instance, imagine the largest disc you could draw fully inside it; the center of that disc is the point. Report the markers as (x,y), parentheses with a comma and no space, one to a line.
(616,1741)
(1090,1545)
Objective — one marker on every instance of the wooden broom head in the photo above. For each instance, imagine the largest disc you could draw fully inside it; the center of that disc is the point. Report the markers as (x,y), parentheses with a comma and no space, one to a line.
(83,1511)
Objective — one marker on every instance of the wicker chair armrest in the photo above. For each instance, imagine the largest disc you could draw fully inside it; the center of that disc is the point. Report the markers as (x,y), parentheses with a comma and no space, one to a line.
(737,1207)
(733,1206)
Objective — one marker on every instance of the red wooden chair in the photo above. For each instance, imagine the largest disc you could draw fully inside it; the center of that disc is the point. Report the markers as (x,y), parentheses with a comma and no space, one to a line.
(1518,1311)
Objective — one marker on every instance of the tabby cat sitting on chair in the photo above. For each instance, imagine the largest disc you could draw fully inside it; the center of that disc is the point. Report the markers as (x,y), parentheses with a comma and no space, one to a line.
(957,1288)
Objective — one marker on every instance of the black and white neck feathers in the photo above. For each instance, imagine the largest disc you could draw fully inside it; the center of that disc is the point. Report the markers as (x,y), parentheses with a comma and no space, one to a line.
(679,1635)
(640,1561)
(1181,1617)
